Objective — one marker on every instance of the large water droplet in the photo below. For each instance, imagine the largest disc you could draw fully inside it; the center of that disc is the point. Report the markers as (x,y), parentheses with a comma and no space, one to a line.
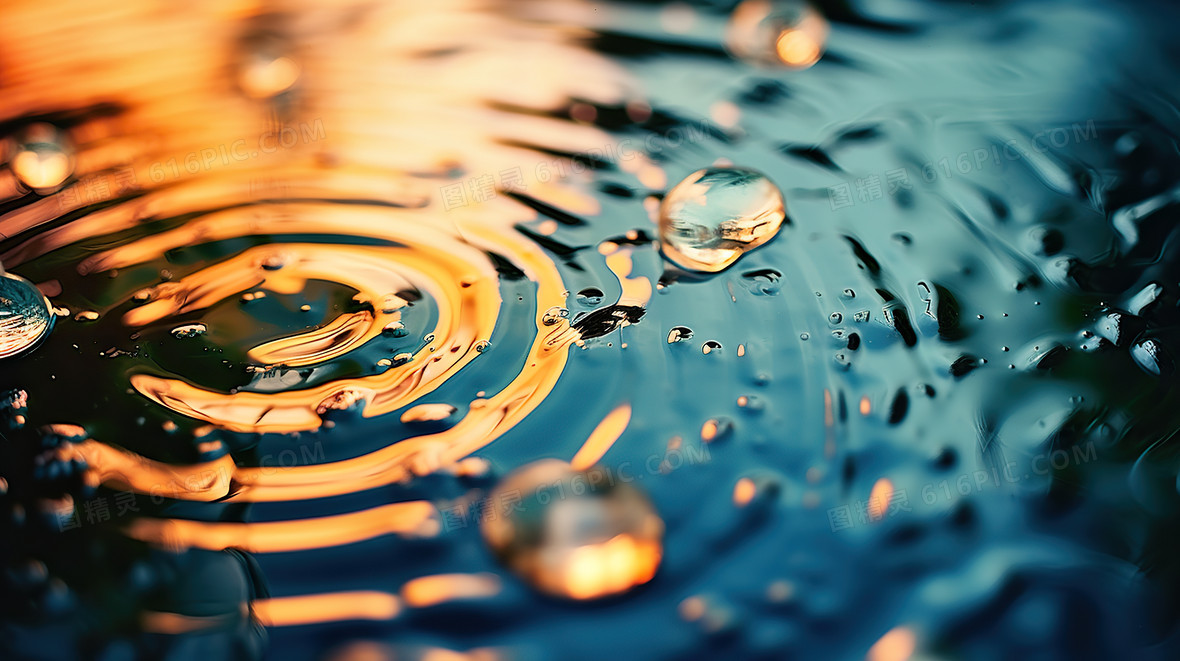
(43,159)
(717,214)
(777,33)
(575,534)
(25,317)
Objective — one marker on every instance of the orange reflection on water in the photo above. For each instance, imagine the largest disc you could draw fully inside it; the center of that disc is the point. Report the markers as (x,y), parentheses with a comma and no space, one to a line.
(331,607)
(602,438)
(611,567)
(417,519)
(879,499)
(896,645)
(428,591)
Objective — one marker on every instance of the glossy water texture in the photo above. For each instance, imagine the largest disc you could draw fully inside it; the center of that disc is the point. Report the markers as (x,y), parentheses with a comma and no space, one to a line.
(326,276)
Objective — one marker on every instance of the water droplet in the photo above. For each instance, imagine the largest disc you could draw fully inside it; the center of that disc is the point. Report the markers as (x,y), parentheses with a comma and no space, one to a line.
(777,33)
(43,159)
(25,317)
(590,296)
(710,346)
(835,318)
(679,333)
(574,534)
(716,429)
(189,330)
(762,282)
(482,346)
(804,336)
(715,215)
(1150,355)
(266,68)
(860,316)
(395,329)
(554,315)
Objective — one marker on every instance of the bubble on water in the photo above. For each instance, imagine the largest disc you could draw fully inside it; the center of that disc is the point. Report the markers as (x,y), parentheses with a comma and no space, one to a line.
(777,33)
(715,215)
(679,334)
(25,316)
(554,315)
(590,296)
(189,330)
(43,158)
(574,534)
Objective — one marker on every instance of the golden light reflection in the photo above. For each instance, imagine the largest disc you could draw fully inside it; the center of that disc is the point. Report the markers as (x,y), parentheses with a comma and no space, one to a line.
(415,519)
(879,499)
(608,568)
(744,492)
(427,591)
(896,645)
(332,607)
(797,48)
(602,438)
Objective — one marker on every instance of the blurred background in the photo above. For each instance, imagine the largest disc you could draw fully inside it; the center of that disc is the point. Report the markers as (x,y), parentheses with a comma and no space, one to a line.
(509,329)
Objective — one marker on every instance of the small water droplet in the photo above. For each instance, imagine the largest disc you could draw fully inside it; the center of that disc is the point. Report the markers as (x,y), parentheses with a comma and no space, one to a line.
(395,329)
(43,158)
(590,296)
(554,315)
(710,346)
(679,333)
(189,330)
(835,318)
(482,346)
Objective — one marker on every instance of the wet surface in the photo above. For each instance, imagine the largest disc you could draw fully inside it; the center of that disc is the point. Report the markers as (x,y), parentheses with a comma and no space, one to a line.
(930,418)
